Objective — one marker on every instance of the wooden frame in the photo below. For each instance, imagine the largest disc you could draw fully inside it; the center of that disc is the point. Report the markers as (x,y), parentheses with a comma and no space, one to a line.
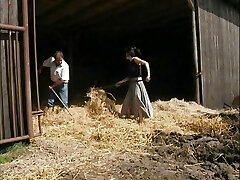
(191,4)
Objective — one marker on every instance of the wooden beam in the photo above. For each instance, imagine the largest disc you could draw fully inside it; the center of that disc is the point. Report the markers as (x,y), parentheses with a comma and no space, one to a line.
(146,19)
(5,141)
(127,13)
(98,12)
(45,7)
(170,23)
(191,4)
(66,11)
(99,9)
(11,27)
(116,11)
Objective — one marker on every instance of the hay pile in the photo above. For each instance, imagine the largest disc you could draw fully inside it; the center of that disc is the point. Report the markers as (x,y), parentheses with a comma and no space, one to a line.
(194,118)
(95,138)
(99,104)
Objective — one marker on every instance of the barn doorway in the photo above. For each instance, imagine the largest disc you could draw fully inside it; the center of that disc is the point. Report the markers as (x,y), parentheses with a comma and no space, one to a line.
(93,35)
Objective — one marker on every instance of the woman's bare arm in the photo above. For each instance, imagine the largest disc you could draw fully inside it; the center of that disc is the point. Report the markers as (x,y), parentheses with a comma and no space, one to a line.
(122,81)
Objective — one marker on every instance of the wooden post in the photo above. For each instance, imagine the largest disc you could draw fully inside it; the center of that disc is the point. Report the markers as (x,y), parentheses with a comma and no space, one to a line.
(27,68)
(195,48)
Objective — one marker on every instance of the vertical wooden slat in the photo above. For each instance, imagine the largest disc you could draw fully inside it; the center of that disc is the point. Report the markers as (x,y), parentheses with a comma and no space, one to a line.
(1,113)
(13,20)
(27,68)
(35,52)
(12,87)
(199,52)
(18,83)
(5,104)
(1,77)
(196,50)
(35,56)
(16,79)
(1,98)
(6,117)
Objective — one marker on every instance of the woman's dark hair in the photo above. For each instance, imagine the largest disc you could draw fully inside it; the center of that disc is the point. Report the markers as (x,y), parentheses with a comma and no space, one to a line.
(58,52)
(133,51)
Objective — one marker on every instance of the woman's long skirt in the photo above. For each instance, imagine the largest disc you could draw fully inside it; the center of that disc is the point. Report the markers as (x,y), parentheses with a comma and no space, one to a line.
(137,98)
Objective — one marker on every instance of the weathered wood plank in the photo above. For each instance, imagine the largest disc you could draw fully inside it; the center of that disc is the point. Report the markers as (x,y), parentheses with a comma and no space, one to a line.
(6,117)
(219,41)
(13,20)
(12,85)
(13,12)
(18,85)
(4,11)
(196,58)
(1,98)
(5,99)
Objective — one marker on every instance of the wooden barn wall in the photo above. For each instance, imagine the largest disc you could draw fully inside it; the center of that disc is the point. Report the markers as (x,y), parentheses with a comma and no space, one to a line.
(12,122)
(219,52)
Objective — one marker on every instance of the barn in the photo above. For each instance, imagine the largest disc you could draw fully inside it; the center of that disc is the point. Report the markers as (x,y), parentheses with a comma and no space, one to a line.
(192,47)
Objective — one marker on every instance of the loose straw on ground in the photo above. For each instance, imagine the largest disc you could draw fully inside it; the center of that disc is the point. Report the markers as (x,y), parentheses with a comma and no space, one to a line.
(70,146)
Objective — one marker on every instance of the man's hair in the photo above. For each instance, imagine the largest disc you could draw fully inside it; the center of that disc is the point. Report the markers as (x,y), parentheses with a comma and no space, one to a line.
(58,52)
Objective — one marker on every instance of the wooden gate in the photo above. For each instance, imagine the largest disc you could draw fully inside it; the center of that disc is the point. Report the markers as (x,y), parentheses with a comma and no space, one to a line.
(15,88)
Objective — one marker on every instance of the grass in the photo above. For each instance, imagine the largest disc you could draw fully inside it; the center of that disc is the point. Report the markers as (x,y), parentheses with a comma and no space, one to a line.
(4,159)
(12,151)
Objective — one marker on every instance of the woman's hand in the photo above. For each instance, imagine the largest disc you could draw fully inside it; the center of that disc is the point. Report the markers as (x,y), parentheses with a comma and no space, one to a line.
(148,79)
(118,84)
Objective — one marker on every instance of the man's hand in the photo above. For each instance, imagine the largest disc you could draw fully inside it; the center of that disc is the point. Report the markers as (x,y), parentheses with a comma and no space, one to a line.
(40,69)
(57,83)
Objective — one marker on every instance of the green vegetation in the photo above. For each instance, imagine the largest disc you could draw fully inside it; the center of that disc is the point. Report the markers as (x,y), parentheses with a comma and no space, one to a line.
(4,159)
(12,152)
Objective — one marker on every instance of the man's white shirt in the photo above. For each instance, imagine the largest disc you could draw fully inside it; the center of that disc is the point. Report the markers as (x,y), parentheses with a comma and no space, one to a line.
(57,72)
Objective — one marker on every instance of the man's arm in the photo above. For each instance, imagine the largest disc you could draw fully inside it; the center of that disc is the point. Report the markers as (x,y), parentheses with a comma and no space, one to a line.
(46,63)
(40,69)
(57,83)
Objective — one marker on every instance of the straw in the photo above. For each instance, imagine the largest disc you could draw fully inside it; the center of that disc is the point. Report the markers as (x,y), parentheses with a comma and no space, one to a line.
(97,140)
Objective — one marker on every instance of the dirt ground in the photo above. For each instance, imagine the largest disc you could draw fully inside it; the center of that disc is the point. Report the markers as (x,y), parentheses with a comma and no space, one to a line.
(182,141)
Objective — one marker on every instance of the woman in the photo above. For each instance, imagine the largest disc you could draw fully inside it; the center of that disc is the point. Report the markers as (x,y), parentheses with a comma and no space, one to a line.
(136,102)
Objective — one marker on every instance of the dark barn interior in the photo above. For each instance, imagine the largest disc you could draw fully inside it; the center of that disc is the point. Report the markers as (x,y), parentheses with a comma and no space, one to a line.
(93,34)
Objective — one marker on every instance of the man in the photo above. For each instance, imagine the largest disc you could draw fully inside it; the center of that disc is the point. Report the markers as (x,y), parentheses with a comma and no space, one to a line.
(59,73)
